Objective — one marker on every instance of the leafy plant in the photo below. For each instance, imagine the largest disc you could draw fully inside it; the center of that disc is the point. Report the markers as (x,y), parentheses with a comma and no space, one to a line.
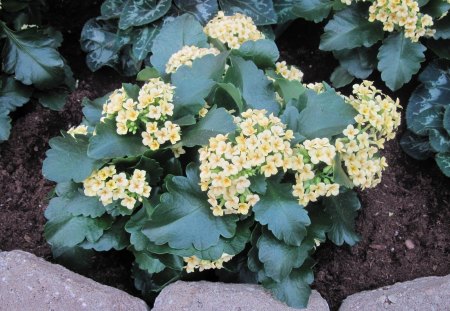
(428,117)
(220,158)
(31,64)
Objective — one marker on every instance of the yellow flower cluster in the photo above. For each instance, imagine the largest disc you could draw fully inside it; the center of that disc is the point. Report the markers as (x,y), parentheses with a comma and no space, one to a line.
(233,30)
(110,186)
(148,114)
(260,145)
(78,130)
(186,56)
(314,173)
(291,73)
(317,87)
(194,262)
(404,14)
(376,122)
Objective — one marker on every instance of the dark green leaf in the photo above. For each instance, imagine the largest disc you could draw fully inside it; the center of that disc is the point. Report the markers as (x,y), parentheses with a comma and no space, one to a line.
(217,121)
(147,283)
(258,184)
(285,10)
(289,89)
(74,202)
(261,11)
(256,89)
(340,77)
(113,238)
(108,144)
(5,125)
(312,10)
(293,290)
(446,122)
(439,140)
(339,175)
(132,90)
(54,99)
(342,211)
(436,8)
(112,8)
(280,211)
(67,159)
(143,42)
(183,30)
(264,53)
(92,109)
(153,169)
(279,258)
(148,262)
(326,114)
(320,224)
(138,12)
(134,226)
(203,10)
(442,27)
(147,73)
(358,62)
(416,146)
(349,29)
(182,208)
(443,161)
(232,94)
(31,58)
(13,94)
(399,59)
(193,84)
(440,47)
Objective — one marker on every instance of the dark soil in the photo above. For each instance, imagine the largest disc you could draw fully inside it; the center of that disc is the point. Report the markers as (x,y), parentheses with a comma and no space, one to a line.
(404,223)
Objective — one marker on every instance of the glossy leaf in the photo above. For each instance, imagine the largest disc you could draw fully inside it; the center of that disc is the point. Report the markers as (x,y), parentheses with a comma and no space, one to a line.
(112,8)
(143,42)
(443,161)
(442,27)
(358,62)
(13,94)
(312,10)
(228,96)
(261,11)
(138,12)
(340,77)
(53,99)
(399,59)
(147,73)
(203,10)
(264,53)
(417,147)
(113,238)
(92,109)
(280,211)
(439,140)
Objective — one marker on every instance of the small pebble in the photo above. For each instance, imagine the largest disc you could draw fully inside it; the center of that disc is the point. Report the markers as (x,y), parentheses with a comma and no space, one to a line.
(409,244)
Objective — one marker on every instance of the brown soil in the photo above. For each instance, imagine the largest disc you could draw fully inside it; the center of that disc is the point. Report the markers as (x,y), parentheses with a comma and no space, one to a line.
(404,223)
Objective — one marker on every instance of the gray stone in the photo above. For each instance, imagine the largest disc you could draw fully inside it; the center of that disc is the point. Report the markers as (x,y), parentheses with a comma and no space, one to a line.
(429,293)
(207,296)
(29,283)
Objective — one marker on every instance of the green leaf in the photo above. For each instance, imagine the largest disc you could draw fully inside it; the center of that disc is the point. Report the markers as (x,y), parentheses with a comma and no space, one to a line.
(359,62)
(293,290)
(255,88)
(129,64)
(417,147)
(436,8)
(280,211)
(54,99)
(68,231)
(320,224)
(113,238)
(132,90)
(439,140)
(264,53)
(74,202)
(289,89)
(446,122)
(443,161)
(227,93)
(138,12)
(342,211)
(442,27)
(399,59)
(313,10)
(350,28)
(108,144)
(148,262)
(102,42)
(285,10)
(67,159)
(147,73)
(193,84)
(151,283)
(134,226)
(203,10)
(30,56)
(183,30)
(13,94)
(261,11)
(339,175)
(440,47)
(326,114)
(142,44)
(92,109)
(5,125)
(279,258)
(217,121)
(153,169)
(112,8)
(258,184)
(340,77)
(182,208)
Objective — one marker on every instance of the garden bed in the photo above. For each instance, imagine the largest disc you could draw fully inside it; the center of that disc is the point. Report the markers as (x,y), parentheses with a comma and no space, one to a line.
(404,222)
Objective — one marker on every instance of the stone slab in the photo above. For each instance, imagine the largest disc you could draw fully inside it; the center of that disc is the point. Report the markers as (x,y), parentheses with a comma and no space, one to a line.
(208,296)
(424,294)
(29,283)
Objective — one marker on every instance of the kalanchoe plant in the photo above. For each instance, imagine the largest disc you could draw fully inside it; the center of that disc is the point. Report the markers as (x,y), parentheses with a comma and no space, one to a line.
(31,64)
(428,117)
(222,158)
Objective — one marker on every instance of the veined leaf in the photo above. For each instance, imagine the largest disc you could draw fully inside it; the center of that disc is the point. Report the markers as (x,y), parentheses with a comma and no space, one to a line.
(349,29)
(417,147)
(279,210)
(112,8)
(439,140)
(261,11)
(5,125)
(284,10)
(138,12)
(399,59)
(30,56)
(217,121)
(68,160)
(182,208)
(203,10)
(113,238)
(312,10)
(443,161)
(143,42)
